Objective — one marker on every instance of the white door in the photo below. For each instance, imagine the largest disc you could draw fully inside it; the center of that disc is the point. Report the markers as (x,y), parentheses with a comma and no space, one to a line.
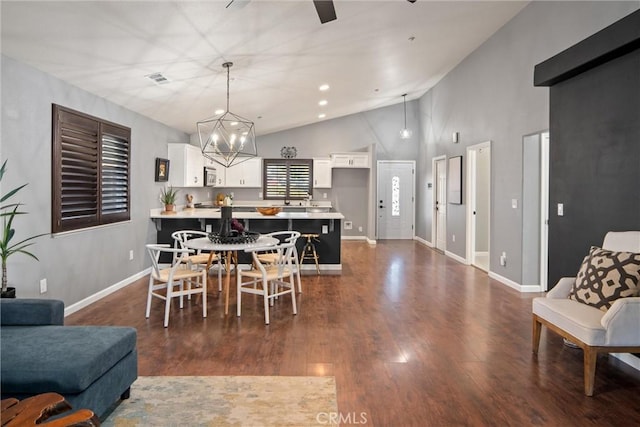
(479,205)
(440,204)
(395,199)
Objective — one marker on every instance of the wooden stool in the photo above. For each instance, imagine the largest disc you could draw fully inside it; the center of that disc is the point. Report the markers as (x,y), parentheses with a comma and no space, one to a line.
(309,251)
(37,409)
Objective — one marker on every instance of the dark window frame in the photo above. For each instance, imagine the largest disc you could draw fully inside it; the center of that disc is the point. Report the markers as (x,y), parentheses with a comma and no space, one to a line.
(90,171)
(288,193)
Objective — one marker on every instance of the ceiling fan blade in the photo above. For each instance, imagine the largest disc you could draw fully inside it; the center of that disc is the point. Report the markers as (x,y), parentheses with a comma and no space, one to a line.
(325,9)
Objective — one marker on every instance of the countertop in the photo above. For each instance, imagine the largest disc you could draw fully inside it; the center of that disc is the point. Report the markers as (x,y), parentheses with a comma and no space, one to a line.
(215,214)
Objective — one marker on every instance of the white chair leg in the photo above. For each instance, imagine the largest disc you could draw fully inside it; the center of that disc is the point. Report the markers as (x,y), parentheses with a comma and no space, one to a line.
(181,294)
(167,306)
(204,293)
(293,294)
(239,294)
(149,296)
(265,293)
(219,274)
(297,263)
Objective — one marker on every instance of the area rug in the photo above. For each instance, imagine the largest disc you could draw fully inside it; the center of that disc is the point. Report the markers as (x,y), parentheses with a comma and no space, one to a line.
(226,401)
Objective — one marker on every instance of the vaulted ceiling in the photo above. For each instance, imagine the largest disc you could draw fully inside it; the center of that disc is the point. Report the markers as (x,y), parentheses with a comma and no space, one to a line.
(374,52)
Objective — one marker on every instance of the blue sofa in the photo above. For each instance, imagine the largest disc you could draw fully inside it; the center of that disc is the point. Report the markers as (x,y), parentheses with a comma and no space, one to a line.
(93,367)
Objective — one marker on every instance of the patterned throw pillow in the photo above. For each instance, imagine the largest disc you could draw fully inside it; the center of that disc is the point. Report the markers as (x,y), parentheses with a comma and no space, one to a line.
(605,276)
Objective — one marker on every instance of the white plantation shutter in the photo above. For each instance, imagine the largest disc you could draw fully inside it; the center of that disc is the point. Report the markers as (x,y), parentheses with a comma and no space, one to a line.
(115,175)
(287,178)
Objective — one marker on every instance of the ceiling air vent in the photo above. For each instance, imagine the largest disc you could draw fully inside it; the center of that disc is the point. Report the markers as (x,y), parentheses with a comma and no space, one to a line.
(158,78)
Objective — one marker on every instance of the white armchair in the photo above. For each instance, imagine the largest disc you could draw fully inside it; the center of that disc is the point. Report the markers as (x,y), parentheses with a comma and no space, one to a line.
(595,331)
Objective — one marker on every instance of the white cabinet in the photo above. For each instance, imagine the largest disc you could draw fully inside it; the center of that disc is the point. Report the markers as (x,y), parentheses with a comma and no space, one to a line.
(350,160)
(321,173)
(186,166)
(246,174)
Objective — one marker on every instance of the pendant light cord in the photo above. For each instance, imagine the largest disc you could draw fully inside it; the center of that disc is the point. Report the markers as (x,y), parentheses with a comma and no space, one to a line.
(228,89)
(405,109)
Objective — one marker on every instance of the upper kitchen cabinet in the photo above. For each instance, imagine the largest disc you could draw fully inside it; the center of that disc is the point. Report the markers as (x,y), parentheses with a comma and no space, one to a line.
(186,166)
(350,160)
(322,173)
(246,174)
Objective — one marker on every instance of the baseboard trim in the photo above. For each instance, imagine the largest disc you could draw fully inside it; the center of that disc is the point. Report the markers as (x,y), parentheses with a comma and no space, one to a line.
(514,285)
(456,257)
(103,293)
(354,238)
(371,241)
(423,241)
(629,359)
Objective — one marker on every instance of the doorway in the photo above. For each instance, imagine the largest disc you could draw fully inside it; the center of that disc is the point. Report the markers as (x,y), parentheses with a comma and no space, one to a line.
(535,209)
(396,195)
(479,205)
(439,211)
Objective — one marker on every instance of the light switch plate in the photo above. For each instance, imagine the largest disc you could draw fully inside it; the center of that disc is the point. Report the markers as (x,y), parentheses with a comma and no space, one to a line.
(514,203)
(560,209)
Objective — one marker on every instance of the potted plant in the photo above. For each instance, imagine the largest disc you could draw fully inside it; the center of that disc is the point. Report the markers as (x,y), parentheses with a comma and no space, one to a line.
(7,247)
(168,198)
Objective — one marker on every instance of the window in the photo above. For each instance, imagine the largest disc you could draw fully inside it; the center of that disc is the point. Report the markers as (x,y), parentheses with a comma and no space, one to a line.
(90,171)
(395,196)
(287,178)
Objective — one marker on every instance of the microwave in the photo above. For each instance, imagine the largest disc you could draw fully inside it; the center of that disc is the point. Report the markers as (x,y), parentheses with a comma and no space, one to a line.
(209,177)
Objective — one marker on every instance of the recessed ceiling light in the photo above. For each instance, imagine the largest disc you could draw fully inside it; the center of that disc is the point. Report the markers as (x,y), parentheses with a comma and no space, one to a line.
(323,102)
(219,111)
(234,123)
(322,116)
(323,87)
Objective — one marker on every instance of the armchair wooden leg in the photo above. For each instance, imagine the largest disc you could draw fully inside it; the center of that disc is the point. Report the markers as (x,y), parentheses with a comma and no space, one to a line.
(590,357)
(535,337)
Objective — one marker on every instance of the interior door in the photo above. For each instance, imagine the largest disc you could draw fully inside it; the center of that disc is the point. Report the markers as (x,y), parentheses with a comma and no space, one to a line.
(395,199)
(441,205)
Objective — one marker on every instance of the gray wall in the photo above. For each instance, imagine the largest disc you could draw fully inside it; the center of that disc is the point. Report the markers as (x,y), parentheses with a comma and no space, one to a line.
(490,96)
(351,194)
(77,264)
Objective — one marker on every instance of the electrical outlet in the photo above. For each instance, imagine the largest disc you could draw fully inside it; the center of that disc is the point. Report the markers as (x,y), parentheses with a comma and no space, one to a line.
(325,229)
(207,228)
(514,203)
(131,255)
(324,195)
(43,286)
(348,225)
(453,237)
(560,209)
(208,194)
(259,194)
(360,229)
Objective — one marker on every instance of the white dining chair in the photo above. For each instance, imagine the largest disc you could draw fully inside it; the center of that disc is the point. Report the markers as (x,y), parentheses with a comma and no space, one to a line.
(199,260)
(269,257)
(178,280)
(268,280)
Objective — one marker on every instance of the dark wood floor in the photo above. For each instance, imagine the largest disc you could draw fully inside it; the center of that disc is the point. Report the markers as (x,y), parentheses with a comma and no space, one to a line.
(412,337)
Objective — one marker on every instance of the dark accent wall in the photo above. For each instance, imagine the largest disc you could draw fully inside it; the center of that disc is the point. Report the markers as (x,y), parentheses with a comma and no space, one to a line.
(595,142)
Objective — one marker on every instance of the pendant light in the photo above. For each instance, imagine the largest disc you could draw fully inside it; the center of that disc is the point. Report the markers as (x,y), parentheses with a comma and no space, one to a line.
(405,133)
(227,138)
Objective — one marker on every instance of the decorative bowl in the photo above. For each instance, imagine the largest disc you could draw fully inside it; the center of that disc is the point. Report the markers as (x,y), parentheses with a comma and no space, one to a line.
(270,210)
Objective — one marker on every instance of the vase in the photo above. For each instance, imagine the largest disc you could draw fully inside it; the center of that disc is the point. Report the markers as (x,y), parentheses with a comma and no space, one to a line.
(225,221)
(169,208)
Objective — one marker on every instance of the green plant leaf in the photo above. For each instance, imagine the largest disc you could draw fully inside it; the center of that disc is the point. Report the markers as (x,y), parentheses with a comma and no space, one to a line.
(11,193)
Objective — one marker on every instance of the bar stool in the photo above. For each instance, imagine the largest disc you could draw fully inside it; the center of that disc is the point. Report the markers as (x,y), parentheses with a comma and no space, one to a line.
(309,251)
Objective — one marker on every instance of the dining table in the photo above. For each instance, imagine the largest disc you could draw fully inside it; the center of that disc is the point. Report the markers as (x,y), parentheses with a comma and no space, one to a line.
(230,250)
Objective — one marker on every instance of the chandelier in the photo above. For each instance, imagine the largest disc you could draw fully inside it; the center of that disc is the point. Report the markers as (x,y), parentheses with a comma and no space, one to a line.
(227,138)
(405,133)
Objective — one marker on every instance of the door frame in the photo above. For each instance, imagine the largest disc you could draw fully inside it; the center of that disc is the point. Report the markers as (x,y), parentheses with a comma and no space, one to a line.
(545,140)
(413,193)
(470,197)
(434,212)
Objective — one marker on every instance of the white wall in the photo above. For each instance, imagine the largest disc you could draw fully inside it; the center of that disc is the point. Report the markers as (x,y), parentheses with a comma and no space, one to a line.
(78,264)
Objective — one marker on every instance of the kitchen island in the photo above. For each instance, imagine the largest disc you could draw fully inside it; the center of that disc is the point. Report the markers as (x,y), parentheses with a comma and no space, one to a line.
(326,225)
